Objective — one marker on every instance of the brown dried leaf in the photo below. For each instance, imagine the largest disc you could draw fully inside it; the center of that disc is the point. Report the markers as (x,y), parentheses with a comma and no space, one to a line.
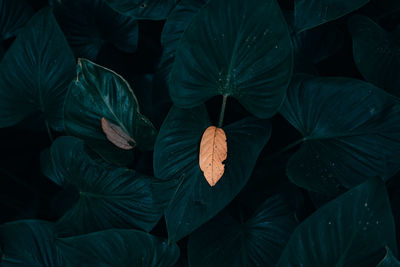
(117,135)
(213,152)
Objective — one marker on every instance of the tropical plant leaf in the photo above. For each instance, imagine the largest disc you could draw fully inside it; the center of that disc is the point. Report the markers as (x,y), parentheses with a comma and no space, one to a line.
(213,152)
(109,197)
(173,29)
(350,128)
(376,53)
(389,260)
(315,45)
(258,241)
(13,16)
(246,55)
(176,155)
(312,13)
(87,32)
(351,230)
(144,9)
(98,92)
(33,243)
(34,75)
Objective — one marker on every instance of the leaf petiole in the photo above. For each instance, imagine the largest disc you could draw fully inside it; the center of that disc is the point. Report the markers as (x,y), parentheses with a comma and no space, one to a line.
(222,112)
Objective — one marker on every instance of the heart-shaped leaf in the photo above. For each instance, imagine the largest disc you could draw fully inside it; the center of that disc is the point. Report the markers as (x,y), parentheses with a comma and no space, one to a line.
(246,54)
(109,197)
(87,32)
(98,92)
(33,243)
(376,53)
(311,13)
(144,9)
(351,230)
(173,29)
(226,241)
(350,128)
(389,260)
(176,155)
(13,16)
(34,75)
(315,45)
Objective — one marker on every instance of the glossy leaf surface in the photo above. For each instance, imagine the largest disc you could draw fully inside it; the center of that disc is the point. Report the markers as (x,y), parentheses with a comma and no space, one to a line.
(245,53)
(311,13)
(350,128)
(98,92)
(34,75)
(109,197)
(13,16)
(176,156)
(258,241)
(33,243)
(351,230)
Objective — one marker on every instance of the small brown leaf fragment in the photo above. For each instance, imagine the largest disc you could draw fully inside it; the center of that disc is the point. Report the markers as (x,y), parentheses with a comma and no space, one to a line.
(213,152)
(117,135)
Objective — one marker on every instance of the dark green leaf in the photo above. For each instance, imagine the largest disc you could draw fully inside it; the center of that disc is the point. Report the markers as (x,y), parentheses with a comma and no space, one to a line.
(311,13)
(245,53)
(99,92)
(28,243)
(225,241)
(376,53)
(351,230)
(173,29)
(34,75)
(389,260)
(119,248)
(33,243)
(13,16)
(315,45)
(109,197)
(176,155)
(89,24)
(144,9)
(351,131)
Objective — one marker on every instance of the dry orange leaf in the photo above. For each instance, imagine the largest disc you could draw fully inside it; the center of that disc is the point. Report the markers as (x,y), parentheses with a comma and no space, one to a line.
(117,135)
(213,152)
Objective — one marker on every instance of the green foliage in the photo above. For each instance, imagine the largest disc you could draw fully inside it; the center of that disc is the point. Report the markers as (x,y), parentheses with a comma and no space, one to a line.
(34,75)
(109,197)
(227,241)
(376,53)
(13,16)
(103,110)
(350,129)
(389,260)
(99,92)
(33,243)
(239,55)
(144,9)
(88,32)
(311,13)
(176,157)
(351,230)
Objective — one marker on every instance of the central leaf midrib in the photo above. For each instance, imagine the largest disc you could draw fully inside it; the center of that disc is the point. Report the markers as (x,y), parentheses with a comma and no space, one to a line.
(117,120)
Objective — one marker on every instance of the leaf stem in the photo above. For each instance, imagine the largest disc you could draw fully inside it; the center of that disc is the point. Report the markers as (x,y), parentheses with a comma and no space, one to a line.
(49,131)
(222,112)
